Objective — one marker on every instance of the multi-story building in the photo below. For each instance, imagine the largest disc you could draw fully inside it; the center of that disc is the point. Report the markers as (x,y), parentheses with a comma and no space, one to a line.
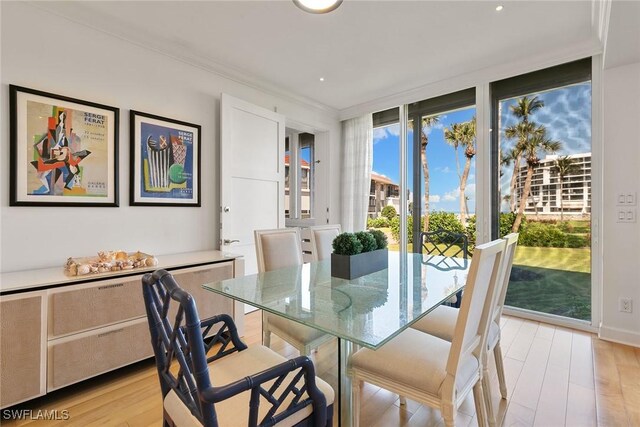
(383,192)
(305,187)
(548,195)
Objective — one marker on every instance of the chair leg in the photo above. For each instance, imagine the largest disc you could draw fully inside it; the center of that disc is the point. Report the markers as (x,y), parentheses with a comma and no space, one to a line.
(449,414)
(478,399)
(356,386)
(486,388)
(403,400)
(497,355)
(330,416)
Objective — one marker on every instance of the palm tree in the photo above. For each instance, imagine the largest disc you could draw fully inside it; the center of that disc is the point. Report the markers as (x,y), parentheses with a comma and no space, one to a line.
(523,109)
(565,166)
(463,134)
(507,198)
(424,141)
(512,156)
(521,132)
(451,137)
(538,143)
(468,138)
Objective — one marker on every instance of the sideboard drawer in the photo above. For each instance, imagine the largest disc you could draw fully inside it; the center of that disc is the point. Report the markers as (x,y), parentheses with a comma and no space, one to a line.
(22,350)
(207,302)
(93,305)
(75,358)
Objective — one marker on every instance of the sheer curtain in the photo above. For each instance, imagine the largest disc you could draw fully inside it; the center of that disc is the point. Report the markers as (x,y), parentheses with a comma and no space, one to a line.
(357,158)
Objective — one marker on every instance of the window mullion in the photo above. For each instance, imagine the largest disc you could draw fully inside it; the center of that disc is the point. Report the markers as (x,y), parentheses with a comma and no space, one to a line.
(294,176)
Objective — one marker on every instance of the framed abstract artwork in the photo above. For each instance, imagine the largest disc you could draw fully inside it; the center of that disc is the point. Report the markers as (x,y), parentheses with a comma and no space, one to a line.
(63,151)
(165,161)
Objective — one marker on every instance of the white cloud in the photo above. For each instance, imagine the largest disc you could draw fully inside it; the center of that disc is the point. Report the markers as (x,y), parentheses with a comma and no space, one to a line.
(469,192)
(385,132)
(378,134)
(445,169)
(434,198)
(393,129)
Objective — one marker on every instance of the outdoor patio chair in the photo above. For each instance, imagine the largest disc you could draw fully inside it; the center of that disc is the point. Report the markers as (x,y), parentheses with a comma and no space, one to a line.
(445,250)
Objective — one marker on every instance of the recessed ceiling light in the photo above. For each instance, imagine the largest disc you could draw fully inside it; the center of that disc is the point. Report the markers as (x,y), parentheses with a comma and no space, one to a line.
(321,79)
(499,8)
(318,6)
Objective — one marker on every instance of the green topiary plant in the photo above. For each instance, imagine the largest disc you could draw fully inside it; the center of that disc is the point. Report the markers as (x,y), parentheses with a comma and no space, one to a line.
(381,238)
(346,244)
(368,241)
(389,212)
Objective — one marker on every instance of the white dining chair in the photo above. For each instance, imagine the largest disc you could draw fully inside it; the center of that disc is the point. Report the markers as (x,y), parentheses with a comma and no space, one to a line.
(322,240)
(282,248)
(429,369)
(441,323)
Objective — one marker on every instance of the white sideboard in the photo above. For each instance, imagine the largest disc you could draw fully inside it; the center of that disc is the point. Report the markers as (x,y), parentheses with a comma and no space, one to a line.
(57,330)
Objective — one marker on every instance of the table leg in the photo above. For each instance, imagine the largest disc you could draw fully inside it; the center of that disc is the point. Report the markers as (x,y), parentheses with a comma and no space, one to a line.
(345,348)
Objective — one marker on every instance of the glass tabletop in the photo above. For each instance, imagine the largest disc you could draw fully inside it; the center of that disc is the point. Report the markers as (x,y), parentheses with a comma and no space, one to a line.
(369,310)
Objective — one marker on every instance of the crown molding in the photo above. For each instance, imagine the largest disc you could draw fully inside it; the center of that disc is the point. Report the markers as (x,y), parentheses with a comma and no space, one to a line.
(600,13)
(80,14)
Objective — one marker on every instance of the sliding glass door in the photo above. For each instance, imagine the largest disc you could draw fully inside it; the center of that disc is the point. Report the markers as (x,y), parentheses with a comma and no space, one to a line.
(542,153)
(540,171)
(440,168)
(442,174)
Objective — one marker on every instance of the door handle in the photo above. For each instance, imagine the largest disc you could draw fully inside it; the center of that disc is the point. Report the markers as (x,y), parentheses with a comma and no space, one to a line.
(228,242)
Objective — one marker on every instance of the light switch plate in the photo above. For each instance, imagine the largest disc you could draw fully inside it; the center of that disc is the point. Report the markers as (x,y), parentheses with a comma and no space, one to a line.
(626,215)
(630,215)
(630,199)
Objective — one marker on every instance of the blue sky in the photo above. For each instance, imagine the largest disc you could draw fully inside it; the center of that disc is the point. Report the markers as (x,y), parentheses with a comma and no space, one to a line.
(444,182)
(566,115)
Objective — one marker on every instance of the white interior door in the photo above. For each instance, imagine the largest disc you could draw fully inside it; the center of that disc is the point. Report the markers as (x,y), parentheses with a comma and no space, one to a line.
(252,175)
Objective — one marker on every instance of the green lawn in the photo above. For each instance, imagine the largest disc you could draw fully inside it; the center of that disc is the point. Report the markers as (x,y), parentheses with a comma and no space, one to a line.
(549,280)
(552,280)
(578,260)
(561,292)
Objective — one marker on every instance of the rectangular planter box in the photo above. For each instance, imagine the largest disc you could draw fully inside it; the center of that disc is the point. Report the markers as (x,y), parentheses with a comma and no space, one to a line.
(352,266)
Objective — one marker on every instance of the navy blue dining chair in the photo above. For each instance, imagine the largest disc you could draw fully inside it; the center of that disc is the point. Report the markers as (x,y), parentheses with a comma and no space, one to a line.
(209,377)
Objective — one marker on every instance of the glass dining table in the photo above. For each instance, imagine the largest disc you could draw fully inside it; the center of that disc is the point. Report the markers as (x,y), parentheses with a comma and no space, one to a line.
(367,311)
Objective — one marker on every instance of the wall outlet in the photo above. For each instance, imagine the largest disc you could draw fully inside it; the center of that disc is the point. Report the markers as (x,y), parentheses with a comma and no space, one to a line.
(625,305)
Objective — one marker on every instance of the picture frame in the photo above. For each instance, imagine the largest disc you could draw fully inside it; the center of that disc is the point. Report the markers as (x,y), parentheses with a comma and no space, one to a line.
(63,151)
(164,161)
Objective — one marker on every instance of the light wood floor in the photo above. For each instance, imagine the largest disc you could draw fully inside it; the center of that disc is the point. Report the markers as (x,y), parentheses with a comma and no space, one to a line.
(555,377)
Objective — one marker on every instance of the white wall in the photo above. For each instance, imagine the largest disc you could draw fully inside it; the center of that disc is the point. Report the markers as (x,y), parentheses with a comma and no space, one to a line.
(621,241)
(46,52)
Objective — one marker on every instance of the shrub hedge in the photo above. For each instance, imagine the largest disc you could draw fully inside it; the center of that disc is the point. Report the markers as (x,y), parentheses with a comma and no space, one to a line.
(380,222)
(548,233)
